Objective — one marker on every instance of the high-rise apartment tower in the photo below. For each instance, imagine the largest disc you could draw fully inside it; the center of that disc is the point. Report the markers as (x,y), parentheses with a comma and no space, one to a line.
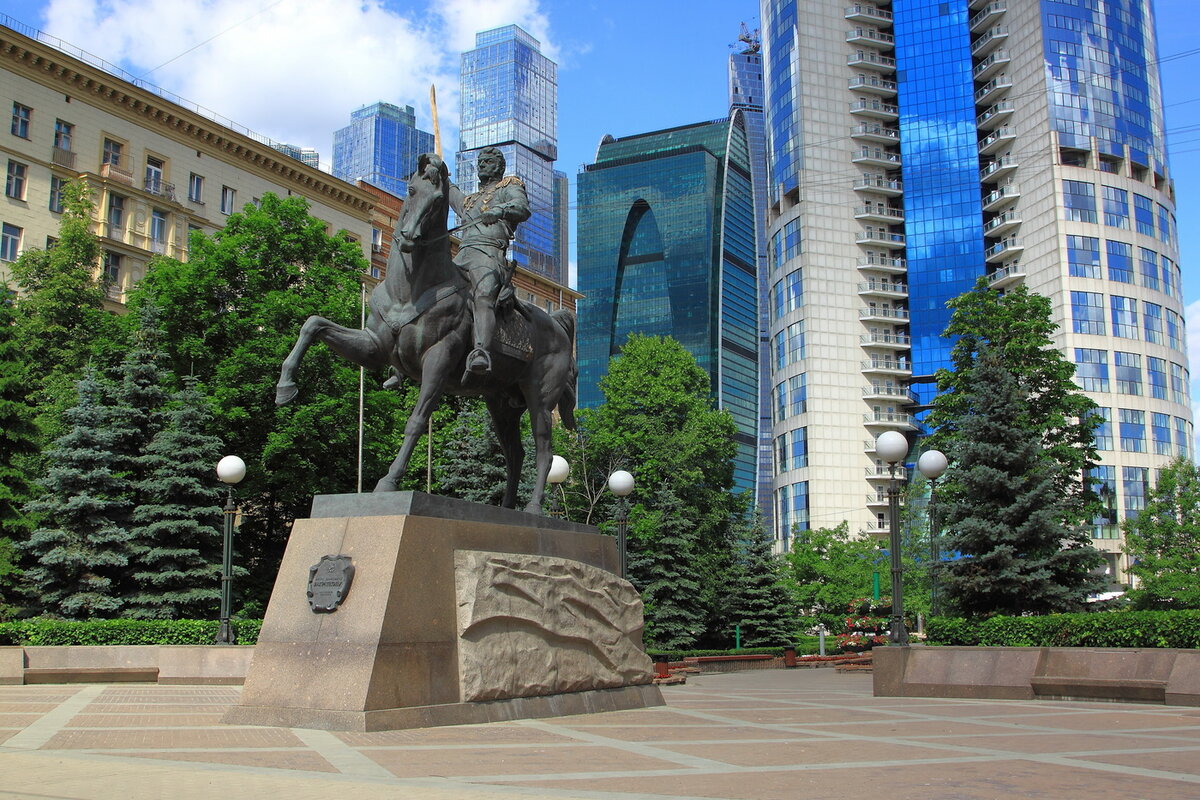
(916,145)
(380,146)
(509,99)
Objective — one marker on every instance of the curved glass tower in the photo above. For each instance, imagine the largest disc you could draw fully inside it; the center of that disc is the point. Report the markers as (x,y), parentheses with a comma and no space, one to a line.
(916,145)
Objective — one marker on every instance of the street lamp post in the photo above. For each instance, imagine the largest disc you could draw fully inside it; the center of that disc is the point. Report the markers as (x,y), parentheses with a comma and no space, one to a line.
(892,447)
(230,470)
(559,470)
(932,464)
(620,483)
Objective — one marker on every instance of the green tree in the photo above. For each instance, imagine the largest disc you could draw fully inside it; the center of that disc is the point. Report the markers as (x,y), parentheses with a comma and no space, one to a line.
(1007,518)
(80,549)
(828,569)
(663,567)
(230,316)
(18,438)
(176,534)
(1163,541)
(763,607)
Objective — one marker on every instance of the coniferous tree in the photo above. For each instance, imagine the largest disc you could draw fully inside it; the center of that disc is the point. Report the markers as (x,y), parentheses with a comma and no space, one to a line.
(472,466)
(18,443)
(1017,556)
(763,607)
(80,550)
(1164,541)
(176,535)
(140,391)
(662,566)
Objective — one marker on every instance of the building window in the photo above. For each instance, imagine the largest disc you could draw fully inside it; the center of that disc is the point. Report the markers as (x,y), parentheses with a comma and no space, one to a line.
(1133,429)
(14,187)
(376,240)
(56,193)
(1083,256)
(781,456)
(1148,259)
(1120,262)
(112,153)
(1136,486)
(1079,201)
(1164,223)
(1174,326)
(20,120)
(158,231)
(1124,317)
(227,200)
(112,268)
(1160,432)
(1104,484)
(116,216)
(1103,435)
(1183,439)
(10,242)
(64,132)
(1087,312)
(1156,372)
(1152,322)
(1179,392)
(1091,369)
(1116,207)
(154,175)
(1143,214)
(799,449)
(1129,372)
(1170,280)
(196,188)
(798,390)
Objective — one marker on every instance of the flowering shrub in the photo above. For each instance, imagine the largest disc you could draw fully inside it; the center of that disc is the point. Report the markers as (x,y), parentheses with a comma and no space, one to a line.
(857,641)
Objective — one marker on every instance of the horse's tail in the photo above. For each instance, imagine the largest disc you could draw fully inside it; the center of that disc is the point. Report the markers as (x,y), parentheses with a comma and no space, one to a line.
(566,401)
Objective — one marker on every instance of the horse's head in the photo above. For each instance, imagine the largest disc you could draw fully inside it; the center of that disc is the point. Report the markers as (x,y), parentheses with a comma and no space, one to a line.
(427,205)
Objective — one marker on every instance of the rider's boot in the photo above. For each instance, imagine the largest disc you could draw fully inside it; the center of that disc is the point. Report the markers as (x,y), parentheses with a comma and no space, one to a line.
(480,361)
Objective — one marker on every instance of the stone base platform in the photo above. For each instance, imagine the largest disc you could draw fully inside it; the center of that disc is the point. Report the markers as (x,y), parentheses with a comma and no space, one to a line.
(456,613)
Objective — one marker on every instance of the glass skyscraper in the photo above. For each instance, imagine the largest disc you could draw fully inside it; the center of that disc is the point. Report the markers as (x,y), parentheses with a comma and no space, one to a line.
(380,146)
(508,99)
(666,248)
(915,146)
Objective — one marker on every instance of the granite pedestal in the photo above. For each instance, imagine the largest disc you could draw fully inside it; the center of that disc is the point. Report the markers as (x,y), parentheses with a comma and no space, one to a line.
(456,613)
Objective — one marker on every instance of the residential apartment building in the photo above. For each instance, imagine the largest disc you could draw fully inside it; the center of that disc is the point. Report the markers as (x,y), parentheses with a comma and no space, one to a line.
(916,145)
(158,166)
(508,99)
(667,248)
(380,146)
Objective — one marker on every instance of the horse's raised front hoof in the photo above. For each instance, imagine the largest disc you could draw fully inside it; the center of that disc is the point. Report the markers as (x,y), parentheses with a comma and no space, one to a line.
(385,484)
(285,393)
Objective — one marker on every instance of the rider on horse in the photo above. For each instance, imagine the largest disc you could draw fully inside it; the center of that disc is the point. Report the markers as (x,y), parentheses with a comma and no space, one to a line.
(488,218)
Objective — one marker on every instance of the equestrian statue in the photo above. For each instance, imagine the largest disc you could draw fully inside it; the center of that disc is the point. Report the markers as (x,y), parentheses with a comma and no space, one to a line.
(454,327)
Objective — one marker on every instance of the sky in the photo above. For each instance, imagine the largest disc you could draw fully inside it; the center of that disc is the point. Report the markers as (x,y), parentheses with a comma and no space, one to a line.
(293,70)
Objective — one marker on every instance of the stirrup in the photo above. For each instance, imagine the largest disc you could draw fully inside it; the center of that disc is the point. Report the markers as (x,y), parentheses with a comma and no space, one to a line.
(479,361)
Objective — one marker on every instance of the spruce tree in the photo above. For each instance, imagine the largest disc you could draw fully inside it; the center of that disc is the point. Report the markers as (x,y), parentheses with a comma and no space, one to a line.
(763,607)
(80,549)
(662,566)
(471,465)
(176,534)
(1017,556)
(18,445)
(140,391)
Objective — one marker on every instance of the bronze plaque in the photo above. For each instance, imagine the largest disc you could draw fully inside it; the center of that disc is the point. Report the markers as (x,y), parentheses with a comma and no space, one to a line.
(329,583)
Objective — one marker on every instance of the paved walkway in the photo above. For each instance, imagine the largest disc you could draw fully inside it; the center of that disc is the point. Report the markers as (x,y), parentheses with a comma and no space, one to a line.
(763,735)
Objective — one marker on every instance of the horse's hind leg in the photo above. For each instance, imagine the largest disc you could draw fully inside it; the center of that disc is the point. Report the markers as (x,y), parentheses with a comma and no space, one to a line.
(540,421)
(361,347)
(434,370)
(506,421)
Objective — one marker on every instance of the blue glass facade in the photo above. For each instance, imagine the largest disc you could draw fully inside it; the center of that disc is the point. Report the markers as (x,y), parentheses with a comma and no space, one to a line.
(940,153)
(782,98)
(380,146)
(509,99)
(667,248)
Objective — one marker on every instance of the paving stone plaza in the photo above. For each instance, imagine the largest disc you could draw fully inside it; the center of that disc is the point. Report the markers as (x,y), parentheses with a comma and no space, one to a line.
(760,735)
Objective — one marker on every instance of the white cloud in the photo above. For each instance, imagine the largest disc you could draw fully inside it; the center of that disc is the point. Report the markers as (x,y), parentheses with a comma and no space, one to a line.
(292,70)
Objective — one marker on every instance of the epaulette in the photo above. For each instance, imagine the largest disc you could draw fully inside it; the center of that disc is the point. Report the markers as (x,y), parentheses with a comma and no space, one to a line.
(508,180)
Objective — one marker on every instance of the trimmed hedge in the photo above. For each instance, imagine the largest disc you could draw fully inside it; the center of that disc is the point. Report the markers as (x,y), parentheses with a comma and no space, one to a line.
(37,632)
(1173,629)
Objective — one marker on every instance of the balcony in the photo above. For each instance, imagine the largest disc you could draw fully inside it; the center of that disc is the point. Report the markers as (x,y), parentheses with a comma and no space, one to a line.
(871,36)
(994,115)
(1002,167)
(882,314)
(885,289)
(63,158)
(158,246)
(160,188)
(113,172)
(873,84)
(887,366)
(883,391)
(993,89)
(882,262)
(881,238)
(881,134)
(865,59)
(987,15)
(989,40)
(876,157)
(1003,249)
(879,212)
(997,140)
(991,65)
(875,109)
(1001,196)
(881,472)
(1009,274)
(880,184)
(877,501)
(1002,223)
(886,340)
(893,420)
(866,13)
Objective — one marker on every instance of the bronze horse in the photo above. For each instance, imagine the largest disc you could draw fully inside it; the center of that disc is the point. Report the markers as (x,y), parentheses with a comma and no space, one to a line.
(420,323)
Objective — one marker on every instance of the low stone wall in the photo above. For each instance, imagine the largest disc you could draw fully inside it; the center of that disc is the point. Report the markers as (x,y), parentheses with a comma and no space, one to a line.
(1025,673)
(173,664)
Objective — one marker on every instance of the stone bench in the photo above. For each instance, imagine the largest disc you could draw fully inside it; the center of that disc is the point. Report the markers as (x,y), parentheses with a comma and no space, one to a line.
(91,675)
(1133,690)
